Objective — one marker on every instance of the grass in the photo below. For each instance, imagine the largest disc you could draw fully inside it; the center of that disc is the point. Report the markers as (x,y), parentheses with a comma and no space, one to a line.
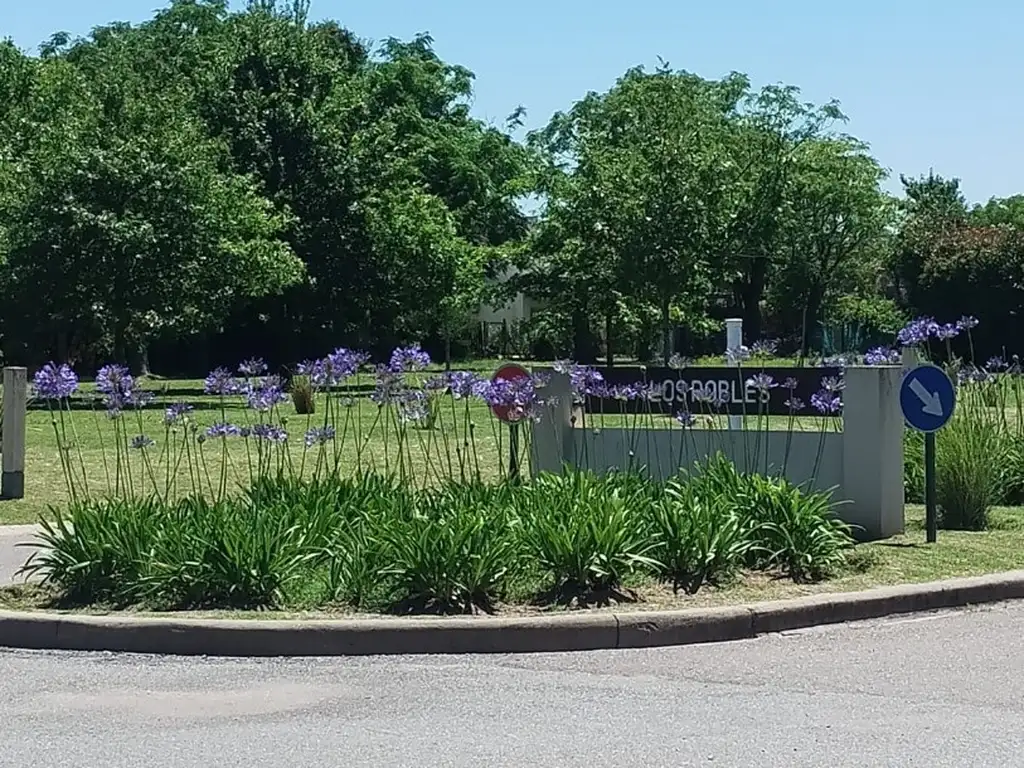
(45,485)
(902,559)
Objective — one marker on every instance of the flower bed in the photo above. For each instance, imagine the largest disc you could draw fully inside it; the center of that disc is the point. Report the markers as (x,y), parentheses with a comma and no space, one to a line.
(373,544)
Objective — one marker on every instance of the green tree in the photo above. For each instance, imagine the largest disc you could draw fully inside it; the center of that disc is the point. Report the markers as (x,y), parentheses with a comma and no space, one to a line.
(832,231)
(129,224)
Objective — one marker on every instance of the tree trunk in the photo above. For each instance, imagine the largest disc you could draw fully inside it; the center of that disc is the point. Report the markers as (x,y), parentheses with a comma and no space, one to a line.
(666,331)
(140,358)
(609,350)
(447,351)
(812,312)
(582,344)
(752,292)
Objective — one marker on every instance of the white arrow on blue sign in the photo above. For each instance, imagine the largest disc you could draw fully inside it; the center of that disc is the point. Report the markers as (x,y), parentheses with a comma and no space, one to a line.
(927,398)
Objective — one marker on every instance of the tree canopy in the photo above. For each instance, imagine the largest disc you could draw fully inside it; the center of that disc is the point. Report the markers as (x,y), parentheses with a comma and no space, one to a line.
(249,181)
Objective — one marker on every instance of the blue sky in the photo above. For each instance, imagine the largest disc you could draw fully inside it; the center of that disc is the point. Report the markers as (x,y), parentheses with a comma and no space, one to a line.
(926,84)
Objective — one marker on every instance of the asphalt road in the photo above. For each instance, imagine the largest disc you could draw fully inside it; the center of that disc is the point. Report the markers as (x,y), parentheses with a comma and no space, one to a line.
(936,690)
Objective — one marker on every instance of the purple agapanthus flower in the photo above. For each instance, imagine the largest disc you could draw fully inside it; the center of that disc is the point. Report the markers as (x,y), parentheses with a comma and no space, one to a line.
(826,402)
(833,384)
(686,419)
(220,381)
(794,404)
(116,384)
(319,436)
(996,364)
(177,413)
(408,359)
(388,386)
(140,442)
(917,331)
(413,407)
(54,382)
(967,322)
(764,348)
(678,362)
(737,355)
(583,379)
(464,384)
(520,396)
(947,331)
(269,432)
(761,382)
(790,384)
(114,380)
(882,356)
(223,429)
(254,366)
(624,392)
(265,394)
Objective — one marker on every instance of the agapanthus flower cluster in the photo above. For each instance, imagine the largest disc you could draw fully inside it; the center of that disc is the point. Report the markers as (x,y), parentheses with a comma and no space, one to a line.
(54,382)
(921,329)
(882,356)
(761,382)
(464,384)
(737,355)
(334,369)
(266,393)
(117,386)
(252,367)
(996,364)
(319,435)
(678,362)
(139,442)
(826,402)
(223,429)
(522,397)
(408,359)
(269,432)
(177,413)
(763,348)
(221,381)
(584,380)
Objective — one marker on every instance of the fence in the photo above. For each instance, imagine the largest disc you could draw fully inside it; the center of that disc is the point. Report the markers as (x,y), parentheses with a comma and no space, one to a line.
(863,463)
(12,445)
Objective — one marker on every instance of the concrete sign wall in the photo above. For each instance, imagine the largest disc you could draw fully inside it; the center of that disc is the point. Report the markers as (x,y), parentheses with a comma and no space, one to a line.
(863,464)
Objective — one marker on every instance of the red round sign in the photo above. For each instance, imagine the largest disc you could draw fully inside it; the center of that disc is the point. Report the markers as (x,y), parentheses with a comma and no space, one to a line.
(508,372)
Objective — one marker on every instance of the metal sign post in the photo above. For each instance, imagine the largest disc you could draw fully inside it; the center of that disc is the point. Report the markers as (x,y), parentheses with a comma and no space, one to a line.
(928,399)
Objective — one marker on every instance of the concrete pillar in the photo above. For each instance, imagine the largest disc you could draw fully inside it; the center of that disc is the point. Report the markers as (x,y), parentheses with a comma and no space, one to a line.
(551,436)
(12,483)
(873,450)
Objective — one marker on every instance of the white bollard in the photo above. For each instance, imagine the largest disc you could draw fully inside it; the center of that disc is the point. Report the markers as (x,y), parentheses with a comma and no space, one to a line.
(734,340)
(15,403)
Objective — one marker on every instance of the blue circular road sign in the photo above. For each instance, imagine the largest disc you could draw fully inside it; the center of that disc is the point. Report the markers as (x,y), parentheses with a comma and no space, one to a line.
(927,398)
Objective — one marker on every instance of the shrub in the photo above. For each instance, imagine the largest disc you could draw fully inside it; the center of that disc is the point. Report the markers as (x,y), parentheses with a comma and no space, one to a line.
(970,461)
(701,538)
(796,530)
(302,396)
(92,551)
(455,553)
(586,532)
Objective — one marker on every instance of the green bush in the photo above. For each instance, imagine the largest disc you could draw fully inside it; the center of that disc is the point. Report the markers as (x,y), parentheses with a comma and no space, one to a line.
(455,553)
(586,532)
(373,543)
(970,458)
(701,538)
(795,529)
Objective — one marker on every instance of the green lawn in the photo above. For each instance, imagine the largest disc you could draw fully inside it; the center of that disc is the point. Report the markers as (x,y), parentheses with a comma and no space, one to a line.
(463,442)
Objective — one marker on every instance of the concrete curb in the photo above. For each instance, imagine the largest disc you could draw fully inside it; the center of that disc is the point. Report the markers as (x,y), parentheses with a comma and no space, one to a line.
(576,632)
